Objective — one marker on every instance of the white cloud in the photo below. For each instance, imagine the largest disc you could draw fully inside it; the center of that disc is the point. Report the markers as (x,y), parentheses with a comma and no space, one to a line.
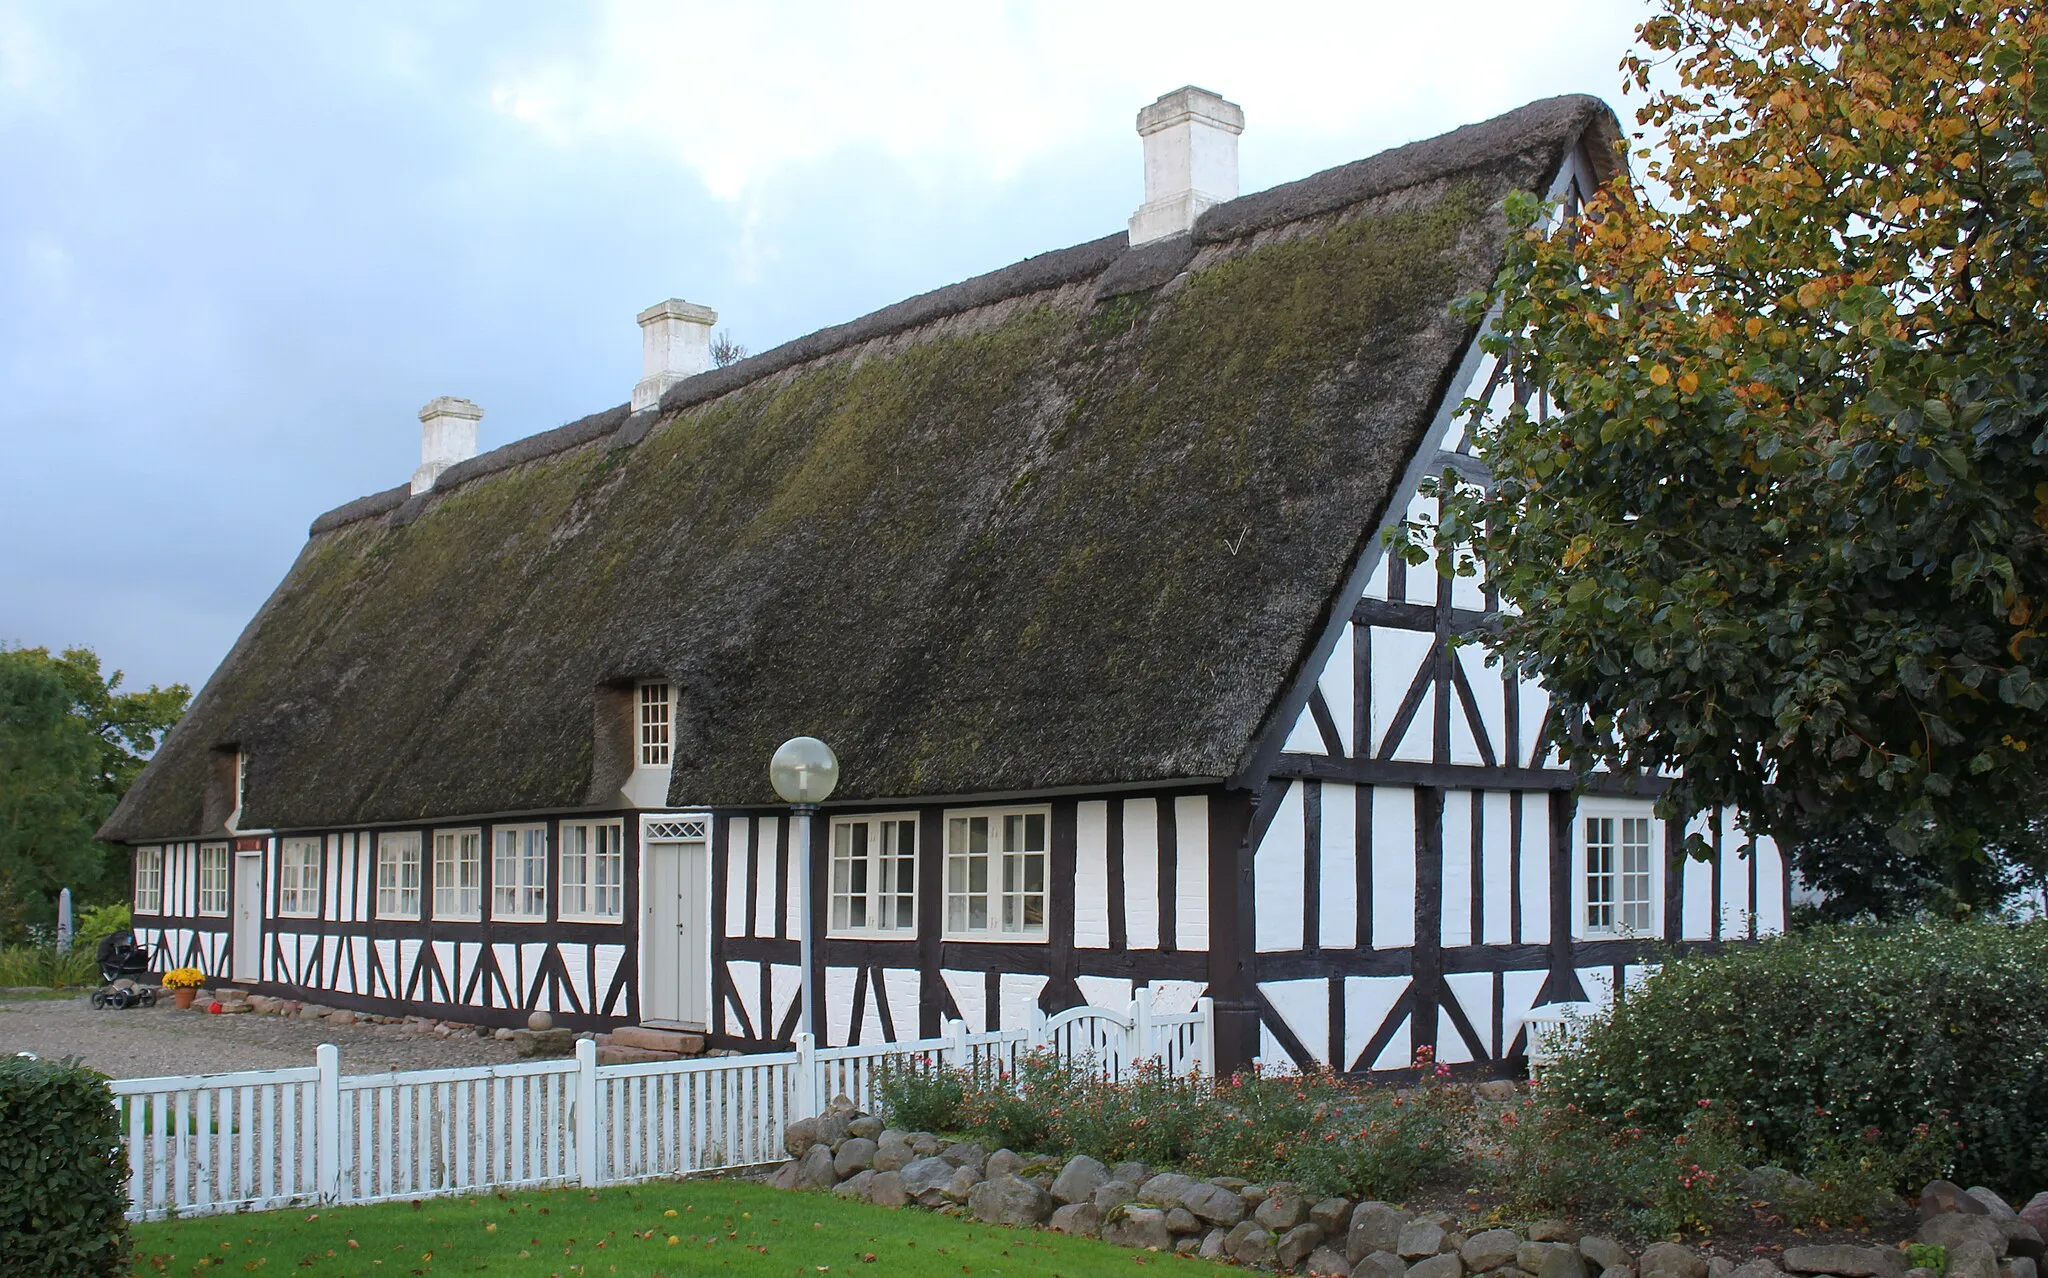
(738,93)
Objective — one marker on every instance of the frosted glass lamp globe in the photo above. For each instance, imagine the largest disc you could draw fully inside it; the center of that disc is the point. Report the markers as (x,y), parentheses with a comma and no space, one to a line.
(804,770)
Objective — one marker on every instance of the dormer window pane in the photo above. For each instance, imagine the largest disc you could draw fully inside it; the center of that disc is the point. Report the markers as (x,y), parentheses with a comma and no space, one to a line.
(655,716)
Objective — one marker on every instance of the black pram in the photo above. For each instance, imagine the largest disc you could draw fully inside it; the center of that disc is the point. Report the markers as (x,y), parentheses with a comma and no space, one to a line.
(121,957)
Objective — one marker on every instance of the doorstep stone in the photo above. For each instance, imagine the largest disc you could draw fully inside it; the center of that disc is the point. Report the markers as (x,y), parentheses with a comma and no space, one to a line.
(614,1054)
(681,1042)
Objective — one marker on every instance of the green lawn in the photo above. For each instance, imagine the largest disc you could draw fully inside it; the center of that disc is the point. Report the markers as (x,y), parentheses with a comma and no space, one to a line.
(669,1228)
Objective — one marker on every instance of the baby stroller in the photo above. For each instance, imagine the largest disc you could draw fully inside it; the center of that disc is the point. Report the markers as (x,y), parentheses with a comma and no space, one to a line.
(122,961)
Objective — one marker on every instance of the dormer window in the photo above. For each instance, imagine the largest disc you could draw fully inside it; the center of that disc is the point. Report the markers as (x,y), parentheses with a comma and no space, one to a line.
(657,714)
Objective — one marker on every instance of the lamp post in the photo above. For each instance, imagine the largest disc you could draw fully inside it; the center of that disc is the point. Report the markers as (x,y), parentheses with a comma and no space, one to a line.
(803,771)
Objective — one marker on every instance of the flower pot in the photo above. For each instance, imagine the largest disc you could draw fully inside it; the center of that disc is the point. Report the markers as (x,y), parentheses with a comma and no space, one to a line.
(184,998)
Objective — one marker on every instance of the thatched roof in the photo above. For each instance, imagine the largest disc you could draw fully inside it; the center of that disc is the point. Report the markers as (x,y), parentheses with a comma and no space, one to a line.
(1072,523)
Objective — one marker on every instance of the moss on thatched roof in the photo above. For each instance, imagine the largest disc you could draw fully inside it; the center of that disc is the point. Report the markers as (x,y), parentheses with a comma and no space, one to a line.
(1074,523)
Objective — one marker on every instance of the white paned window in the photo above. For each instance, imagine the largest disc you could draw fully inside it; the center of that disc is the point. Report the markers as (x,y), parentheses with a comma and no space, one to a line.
(213,878)
(398,875)
(519,872)
(874,876)
(298,878)
(593,870)
(1618,874)
(458,874)
(657,709)
(149,880)
(995,874)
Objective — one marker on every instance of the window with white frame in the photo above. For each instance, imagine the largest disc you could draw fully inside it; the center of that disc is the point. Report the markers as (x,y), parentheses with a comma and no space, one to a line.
(458,874)
(213,878)
(995,874)
(398,874)
(149,880)
(1618,874)
(657,712)
(874,876)
(593,870)
(519,872)
(298,878)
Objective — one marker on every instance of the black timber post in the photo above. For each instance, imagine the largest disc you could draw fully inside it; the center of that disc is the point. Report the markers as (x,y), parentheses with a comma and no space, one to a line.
(1061,991)
(1428,983)
(1563,984)
(1231,978)
(931,917)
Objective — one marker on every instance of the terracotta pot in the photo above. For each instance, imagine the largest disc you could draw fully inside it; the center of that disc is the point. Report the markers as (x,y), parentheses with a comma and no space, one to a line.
(184,998)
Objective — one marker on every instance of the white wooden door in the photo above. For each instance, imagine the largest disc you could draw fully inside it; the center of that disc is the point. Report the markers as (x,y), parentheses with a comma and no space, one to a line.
(675,949)
(248,959)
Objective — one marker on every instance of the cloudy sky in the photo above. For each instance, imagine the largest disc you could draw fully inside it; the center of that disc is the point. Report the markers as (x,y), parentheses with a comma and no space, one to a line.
(242,243)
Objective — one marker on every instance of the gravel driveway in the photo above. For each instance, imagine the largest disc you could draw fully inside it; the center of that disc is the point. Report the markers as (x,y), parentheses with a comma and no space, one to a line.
(144,1042)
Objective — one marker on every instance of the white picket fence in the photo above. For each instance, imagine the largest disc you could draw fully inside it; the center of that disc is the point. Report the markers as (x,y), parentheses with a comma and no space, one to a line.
(274,1138)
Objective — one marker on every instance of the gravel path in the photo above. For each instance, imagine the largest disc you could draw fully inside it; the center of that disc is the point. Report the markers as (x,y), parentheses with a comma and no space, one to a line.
(143,1042)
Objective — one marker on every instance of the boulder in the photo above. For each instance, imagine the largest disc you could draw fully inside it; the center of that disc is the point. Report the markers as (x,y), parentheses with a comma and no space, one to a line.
(925,1145)
(1079,1179)
(856,1153)
(1418,1238)
(1324,1262)
(1133,1226)
(1918,1272)
(1759,1269)
(1604,1254)
(1997,1207)
(1135,1173)
(1669,1260)
(1941,1197)
(1165,1189)
(1212,1244)
(785,1176)
(960,1185)
(832,1127)
(2019,1267)
(1003,1162)
(886,1190)
(1255,1247)
(1112,1194)
(1720,1267)
(814,1170)
(345,1017)
(1555,1231)
(1374,1227)
(965,1154)
(1213,1203)
(2021,1238)
(1560,1260)
(1496,1089)
(1332,1214)
(856,1185)
(1379,1264)
(1009,1200)
(1444,1266)
(799,1136)
(1280,1212)
(893,1152)
(1236,1235)
(1296,1244)
(923,1175)
(1846,1260)
(1972,1259)
(1954,1229)
(866,1126)
(1187,1244)
(1182,1221)
(1081,1219)
(1489,1249)
(1627,1271)
(2035,1212)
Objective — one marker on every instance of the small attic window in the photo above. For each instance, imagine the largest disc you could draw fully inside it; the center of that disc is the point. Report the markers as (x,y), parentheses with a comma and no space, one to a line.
(657,713)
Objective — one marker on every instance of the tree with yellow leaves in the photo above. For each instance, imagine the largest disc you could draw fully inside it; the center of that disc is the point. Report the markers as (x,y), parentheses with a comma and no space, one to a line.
(1784,525)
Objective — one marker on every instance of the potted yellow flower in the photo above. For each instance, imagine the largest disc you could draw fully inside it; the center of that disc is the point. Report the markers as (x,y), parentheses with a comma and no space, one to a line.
(184,983)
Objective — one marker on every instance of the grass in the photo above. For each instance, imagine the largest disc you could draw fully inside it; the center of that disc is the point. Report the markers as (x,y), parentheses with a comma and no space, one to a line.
(661,1230)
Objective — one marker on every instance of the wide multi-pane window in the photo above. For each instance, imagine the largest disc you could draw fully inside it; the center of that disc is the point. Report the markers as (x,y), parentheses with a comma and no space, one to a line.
(213,878)
(298,877)
(1618,874)
(149,880)
(995,874)
(874,876)
(593,870)
(519,872)
(458,874)
(656,711)
(398,875)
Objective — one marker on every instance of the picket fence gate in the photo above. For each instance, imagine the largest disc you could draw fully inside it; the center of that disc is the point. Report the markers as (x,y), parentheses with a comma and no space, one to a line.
(260,1139)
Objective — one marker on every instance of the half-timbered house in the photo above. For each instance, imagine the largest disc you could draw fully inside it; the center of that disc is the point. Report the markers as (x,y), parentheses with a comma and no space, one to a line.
(1078,565)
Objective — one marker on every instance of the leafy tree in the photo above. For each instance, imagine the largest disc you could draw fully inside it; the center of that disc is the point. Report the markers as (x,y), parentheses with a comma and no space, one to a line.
(1782,520)
(71,743)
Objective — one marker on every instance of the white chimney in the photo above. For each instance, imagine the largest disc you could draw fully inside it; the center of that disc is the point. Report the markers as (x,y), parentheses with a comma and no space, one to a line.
(675,342)
(447,436)
(1190,161)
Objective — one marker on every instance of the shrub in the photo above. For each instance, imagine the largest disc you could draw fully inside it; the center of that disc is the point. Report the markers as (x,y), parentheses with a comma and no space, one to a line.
(1813,1039)
(45,966)
(1025,1108)
(63,1187)
(1150,1115)
(921,1095)
(100,922)
(1549,1155)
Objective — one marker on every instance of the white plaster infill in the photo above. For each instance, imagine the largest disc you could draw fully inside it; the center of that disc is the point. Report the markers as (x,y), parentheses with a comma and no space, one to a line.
(447,436)
(675,342)
(1190,160)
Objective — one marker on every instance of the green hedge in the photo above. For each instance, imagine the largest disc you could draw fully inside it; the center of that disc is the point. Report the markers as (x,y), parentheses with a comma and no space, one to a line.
(1836,1035)
(63,1186)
